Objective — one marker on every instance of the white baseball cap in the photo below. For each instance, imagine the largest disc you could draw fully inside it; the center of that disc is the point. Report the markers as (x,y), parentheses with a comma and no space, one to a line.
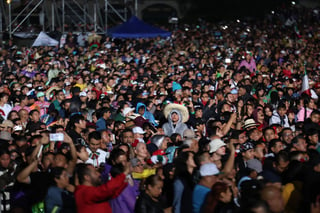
(209,169)
(138,130)
(83,94)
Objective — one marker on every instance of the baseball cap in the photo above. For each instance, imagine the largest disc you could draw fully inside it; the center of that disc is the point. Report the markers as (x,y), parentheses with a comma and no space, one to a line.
(215,144)
(138,130)
(209,169)
(40,94)
(234,91)
(246,146)
(255,164)
(83,94)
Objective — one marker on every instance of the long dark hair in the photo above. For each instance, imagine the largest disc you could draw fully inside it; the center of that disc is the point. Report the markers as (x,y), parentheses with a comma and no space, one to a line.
(213,197)
(181,168)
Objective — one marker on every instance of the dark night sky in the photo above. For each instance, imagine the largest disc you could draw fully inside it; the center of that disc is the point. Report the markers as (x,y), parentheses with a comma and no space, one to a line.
(225,9)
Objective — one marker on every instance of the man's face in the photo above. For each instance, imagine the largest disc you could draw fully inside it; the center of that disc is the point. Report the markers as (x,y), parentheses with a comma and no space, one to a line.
(287,136)
(315,118)
(127,137)
(282,111)
(35,116)
(199,113)
(221,151)
(278,147)
(60,161)
(248,155)
(314,138)
(269,135)
(242,138)
(301,145)
(82,124)
(61,96)
(242,91)
(282,166)
(174,117)
(5,161)
(94,176)
(94,144)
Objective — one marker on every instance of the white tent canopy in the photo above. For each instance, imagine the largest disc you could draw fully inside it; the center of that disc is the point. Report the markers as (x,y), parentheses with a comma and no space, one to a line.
(44,40)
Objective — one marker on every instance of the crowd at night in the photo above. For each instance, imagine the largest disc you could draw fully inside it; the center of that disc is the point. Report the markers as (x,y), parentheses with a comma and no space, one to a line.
(218,117)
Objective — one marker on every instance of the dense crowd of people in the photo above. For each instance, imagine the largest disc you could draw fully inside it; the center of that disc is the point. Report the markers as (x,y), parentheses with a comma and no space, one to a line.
(217,118)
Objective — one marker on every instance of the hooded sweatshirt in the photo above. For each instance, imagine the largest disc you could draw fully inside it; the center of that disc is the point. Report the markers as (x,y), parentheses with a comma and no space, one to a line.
(169,128)
(147,115)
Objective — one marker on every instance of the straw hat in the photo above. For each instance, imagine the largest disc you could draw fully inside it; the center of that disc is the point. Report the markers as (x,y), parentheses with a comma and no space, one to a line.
(182,109)
(249,123)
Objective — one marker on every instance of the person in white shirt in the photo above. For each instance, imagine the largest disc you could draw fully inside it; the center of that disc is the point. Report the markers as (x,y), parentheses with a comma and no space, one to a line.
(5,108)
(97,156)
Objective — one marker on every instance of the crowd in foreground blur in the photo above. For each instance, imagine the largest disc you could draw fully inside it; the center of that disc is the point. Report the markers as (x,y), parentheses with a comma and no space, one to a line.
(217,118)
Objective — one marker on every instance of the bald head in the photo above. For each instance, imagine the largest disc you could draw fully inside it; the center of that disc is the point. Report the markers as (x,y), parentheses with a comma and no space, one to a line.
(272,195)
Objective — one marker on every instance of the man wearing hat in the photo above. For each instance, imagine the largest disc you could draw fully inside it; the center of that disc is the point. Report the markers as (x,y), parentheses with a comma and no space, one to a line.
(249,124)
(138,133)
(217,149)
(246,154)
(5,136)
(190,139)
(6,125)
(209,176)
(176,115)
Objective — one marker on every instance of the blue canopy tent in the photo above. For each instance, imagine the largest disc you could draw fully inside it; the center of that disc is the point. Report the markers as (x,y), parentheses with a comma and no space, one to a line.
(135,28)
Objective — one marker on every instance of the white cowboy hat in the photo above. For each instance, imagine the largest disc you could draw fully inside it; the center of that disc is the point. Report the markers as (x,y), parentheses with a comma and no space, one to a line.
(182,109)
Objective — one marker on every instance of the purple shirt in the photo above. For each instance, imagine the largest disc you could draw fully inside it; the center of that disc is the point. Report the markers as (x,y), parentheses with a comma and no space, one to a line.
(28,74)
(126,201)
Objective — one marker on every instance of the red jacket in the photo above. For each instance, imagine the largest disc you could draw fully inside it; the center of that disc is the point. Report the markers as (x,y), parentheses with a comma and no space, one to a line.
(91,199)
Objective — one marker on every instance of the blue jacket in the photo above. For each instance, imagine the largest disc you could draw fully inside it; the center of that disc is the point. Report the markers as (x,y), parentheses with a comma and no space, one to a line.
(147,115)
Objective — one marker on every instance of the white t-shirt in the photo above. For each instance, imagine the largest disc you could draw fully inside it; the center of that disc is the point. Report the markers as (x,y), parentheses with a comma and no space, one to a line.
(6,108)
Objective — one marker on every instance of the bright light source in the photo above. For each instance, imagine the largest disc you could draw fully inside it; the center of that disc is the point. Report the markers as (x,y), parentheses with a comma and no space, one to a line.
(8,1)
(248,30)
(293,3)
(238,20)
(272,12)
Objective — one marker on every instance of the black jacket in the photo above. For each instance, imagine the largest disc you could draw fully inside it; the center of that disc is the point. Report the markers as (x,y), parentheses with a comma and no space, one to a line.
(145,204)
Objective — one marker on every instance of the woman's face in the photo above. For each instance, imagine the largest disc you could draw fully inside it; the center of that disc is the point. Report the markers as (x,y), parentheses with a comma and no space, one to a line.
(155,191)
(138,168)
(226,196)
(13,116)
(141,150)
(249,110)
(268,112)
(260,115)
